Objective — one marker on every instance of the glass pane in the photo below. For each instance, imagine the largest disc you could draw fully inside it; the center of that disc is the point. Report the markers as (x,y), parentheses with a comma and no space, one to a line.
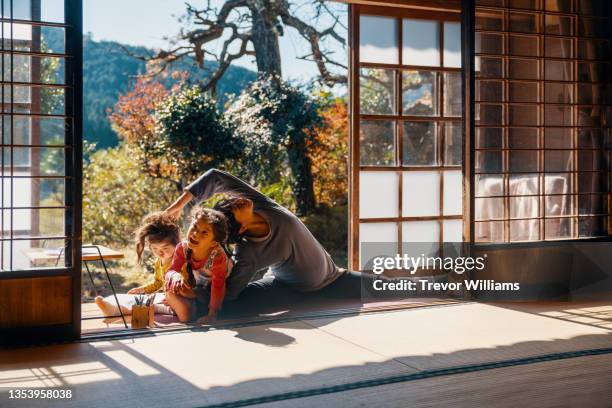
(489,162)
(592,182)
(558,160)
(46,222)
(378,194)
(558,138)
(489,185)
(527,45)
(376,91)
(489,138)
(559,25)
(419,144)
(523,69)
(421,44)
(591,94)
(378,39)
(420,93)
(524,22)
(488,67)
(32,192)
(564,6)
(523,207)
(558,70)
(376,143)
(590,160)
(489,20)
(452,94)
(590,116)
(523,91)
(592,226)
(488,43)
(421,193)
(452,45)
(37,161)
(593,49)
(592,204)
(558,205)
(523,161)
(556,228)
(489,231)
(452,230)
(453,193)
(555,92)
(523,115)
(558,115)
(421,231)
(489,114)
(593,27)
(453,136)
(557,183)
(489,91)
(590,138)
(523,184)
(558,47)
(489,208)
(592,71)
(524,230)
(524,4)
(523,138)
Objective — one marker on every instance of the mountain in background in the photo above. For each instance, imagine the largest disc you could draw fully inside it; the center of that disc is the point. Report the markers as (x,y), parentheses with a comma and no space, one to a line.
(109,71)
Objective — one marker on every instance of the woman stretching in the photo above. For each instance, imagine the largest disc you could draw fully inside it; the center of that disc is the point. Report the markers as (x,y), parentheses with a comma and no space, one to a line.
(268,236)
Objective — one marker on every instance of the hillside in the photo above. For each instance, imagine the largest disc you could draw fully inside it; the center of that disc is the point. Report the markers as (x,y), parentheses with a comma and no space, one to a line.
(108,71)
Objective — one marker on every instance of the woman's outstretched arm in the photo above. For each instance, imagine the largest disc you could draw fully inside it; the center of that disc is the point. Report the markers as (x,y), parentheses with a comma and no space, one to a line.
(214,182)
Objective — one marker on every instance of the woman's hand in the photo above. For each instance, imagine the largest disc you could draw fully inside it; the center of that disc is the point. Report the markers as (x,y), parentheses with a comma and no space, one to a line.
(135,291)
(174,211)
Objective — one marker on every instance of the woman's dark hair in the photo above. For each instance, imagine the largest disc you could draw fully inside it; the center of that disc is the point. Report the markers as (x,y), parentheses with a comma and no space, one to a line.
(156,227)
(218,222)
(225,206)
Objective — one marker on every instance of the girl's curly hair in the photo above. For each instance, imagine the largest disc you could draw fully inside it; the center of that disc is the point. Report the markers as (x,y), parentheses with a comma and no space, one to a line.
(218,222)
(156,227)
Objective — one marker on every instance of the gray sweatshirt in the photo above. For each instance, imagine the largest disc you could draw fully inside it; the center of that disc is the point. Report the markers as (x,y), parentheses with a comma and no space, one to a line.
(290,251)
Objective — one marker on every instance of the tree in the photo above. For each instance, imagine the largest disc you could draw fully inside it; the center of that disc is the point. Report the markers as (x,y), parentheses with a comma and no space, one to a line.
(329,154)
(133,120)
(276,124)
(252,28)
(117,195)
(193,136)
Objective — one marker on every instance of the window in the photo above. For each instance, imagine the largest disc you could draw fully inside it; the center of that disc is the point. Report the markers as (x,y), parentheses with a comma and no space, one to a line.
(541,134)
(37,135)
(408,129)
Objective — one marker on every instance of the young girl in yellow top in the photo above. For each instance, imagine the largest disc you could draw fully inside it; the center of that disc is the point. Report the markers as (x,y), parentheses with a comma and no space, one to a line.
(162,235)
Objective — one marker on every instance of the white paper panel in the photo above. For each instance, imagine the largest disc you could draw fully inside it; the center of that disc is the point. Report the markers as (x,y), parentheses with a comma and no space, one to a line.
(452,45)
(420,193)
(378,194)
(421,43)
(376,239)
(453,191)
(378,39)
(452,230)
(421,231)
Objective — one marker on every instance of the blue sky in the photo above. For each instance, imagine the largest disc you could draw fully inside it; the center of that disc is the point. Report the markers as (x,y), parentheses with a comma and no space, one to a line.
(146,22)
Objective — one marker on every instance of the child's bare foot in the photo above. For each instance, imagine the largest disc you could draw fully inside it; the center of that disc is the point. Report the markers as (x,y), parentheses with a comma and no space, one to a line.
(108,309)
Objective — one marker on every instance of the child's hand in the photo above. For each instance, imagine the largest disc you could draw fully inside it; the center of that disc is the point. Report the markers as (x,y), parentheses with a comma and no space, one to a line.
(175,284)
(135,291)
(210,318)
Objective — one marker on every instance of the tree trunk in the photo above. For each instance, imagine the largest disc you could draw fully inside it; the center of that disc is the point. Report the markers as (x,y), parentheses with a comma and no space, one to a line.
(302,183)
(265,39)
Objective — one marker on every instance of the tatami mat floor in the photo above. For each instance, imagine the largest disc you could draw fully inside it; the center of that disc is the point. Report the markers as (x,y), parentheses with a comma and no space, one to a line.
(199,368)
